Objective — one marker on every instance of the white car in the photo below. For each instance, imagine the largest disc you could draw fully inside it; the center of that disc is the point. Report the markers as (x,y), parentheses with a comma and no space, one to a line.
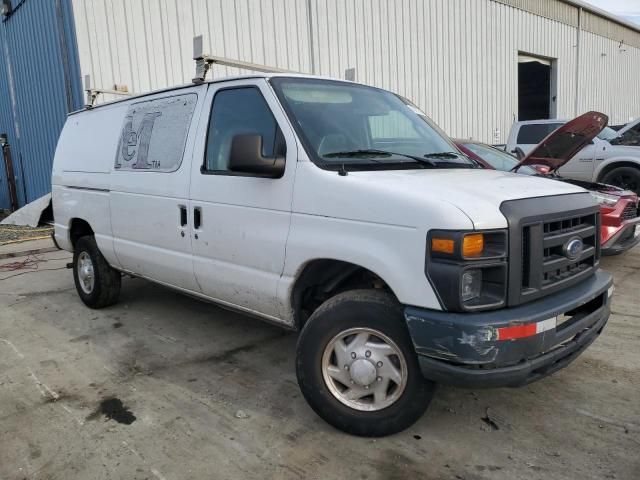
(334,209)
(607,159)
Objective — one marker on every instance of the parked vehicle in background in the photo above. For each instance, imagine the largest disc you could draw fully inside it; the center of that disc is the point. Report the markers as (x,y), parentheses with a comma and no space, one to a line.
(619,230)
(603,160)
(628,135)
(332,208)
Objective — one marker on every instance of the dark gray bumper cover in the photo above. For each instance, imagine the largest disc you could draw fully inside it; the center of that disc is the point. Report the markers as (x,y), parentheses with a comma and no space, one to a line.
(463,349)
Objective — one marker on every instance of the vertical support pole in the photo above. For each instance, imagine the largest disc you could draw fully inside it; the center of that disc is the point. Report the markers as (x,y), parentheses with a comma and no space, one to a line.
(8,167)
(312,54)
(578,55)
(64,50)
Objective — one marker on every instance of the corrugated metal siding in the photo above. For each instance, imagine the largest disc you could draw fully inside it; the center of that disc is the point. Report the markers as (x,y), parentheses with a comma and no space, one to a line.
(41,73)
(606,28)
(610,76)
(551,9)
(7,124)
(147,44)
(456,59)
(566,13)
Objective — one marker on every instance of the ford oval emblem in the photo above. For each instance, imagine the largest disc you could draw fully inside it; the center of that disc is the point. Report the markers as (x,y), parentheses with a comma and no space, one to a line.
(573,248)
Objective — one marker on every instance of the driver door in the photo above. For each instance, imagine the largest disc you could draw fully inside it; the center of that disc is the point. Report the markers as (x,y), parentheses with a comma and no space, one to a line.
(241,221)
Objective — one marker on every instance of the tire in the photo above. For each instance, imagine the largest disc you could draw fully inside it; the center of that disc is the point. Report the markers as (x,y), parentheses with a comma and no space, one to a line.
(353,311)
(104,290)
(624,177)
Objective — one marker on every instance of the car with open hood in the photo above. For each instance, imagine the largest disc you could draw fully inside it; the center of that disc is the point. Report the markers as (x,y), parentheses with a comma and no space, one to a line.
(619,228)
(608,158)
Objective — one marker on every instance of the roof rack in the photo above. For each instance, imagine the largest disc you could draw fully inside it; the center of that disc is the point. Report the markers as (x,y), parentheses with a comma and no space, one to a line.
(92,93)
(204,63)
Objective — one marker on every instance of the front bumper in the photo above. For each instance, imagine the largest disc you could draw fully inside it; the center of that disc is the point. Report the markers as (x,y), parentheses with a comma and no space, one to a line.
(464,349)
(627,237)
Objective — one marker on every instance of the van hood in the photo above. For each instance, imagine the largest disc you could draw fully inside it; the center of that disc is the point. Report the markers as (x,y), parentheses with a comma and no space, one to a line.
(564,143)
(478,193)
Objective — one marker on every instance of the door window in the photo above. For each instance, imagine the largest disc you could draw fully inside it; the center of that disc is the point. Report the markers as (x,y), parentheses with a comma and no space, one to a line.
(234,112)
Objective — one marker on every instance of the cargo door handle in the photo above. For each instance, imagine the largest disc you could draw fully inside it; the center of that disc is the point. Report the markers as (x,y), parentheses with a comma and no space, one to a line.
(183,215)
(197,218)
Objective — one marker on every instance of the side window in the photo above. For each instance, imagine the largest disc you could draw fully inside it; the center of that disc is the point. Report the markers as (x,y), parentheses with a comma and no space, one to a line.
(154,134)
(234,112)
(534,133)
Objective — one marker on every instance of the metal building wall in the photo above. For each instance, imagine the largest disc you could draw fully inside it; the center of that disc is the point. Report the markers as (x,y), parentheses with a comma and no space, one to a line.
(610,78)
(456,59)
(148,44)
(39,85)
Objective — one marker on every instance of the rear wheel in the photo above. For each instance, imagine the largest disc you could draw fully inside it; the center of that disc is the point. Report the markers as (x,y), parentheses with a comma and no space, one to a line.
(624,177)
(98,284)
(357,367)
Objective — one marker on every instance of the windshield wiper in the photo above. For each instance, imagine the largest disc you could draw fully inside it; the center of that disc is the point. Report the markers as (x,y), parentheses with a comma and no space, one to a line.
(443,155)
(364,153)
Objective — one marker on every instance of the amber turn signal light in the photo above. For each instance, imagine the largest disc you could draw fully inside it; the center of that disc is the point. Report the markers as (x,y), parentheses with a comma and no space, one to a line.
(473,245)
(442,245)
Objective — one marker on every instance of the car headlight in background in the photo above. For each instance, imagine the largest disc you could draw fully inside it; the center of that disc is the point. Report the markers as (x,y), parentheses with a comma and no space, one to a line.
(468,269)
(605,198)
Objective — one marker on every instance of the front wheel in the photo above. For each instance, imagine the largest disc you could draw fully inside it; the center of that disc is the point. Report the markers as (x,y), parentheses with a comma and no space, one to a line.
(627,178)
(357,368)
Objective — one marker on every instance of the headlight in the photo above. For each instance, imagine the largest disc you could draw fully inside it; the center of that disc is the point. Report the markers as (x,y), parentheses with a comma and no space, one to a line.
(468,270)
(471,285)
(605,198)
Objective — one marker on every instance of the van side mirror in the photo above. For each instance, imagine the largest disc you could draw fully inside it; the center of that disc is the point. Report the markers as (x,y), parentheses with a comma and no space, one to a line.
(246,156)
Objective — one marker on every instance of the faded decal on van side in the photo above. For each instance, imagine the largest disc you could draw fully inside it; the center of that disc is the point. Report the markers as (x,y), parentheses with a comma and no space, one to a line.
(154,134)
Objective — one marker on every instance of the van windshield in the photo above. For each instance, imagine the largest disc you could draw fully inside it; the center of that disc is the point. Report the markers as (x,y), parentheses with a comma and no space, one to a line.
(345,125)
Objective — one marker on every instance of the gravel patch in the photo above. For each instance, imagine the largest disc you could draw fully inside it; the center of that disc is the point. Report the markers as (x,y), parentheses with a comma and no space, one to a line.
(14,234)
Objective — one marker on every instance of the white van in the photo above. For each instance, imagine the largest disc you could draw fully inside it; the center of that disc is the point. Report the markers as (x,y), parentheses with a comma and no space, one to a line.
(335,209)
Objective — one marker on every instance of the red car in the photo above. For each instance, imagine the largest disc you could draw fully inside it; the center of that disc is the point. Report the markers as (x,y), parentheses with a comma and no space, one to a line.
(619,208)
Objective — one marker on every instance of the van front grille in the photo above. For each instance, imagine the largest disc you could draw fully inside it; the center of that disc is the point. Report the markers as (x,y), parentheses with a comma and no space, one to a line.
(557,266)
(551,249)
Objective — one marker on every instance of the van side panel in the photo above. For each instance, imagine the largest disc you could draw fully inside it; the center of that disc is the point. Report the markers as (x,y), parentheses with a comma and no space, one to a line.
(81,175)
(149,192)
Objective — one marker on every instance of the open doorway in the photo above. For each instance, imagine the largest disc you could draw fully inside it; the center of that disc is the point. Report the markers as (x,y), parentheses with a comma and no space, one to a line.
(536,88)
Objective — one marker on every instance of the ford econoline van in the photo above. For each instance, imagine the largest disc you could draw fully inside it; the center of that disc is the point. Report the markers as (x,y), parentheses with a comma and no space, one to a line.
(339,211)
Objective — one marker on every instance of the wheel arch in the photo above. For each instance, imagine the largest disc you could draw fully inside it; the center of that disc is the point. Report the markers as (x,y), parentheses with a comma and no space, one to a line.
(322,278)
(613,164)
(79,227)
